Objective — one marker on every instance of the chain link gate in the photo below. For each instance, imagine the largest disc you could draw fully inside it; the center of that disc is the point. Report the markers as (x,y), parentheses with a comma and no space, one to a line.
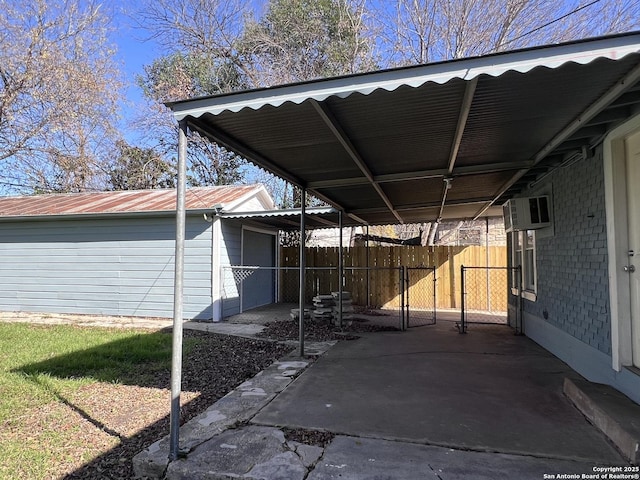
(420,296)
(376,293)
(485,296)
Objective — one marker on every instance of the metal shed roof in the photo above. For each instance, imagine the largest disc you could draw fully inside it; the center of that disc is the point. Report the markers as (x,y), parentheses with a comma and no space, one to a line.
(123,202)
(445,140)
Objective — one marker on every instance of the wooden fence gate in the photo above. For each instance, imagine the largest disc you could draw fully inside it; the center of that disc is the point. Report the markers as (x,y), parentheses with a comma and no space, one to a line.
(444,262)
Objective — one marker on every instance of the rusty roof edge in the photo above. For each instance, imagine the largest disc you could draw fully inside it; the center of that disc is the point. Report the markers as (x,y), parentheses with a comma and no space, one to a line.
(100,215)
(138,202)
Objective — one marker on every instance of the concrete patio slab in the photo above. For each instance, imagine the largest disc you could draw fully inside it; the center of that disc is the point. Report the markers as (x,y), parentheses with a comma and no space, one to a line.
(611,411)
(353,458)
(487,390)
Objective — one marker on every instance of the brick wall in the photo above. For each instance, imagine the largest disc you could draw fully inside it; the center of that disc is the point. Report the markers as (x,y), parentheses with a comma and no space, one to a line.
(573,286)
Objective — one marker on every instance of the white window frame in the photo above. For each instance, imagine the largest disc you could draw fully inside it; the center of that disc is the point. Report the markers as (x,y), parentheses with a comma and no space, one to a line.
(519,249)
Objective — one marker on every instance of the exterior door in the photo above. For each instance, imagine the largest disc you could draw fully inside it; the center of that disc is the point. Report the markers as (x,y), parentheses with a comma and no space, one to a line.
(258,249)
(632,159)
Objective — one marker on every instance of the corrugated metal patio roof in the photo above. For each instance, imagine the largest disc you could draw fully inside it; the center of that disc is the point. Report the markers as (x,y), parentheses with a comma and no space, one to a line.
(122,202)
(438,141)
(289,219)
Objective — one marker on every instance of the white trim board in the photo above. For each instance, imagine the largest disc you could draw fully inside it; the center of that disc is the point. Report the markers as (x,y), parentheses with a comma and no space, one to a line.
(617,242)
(589,362)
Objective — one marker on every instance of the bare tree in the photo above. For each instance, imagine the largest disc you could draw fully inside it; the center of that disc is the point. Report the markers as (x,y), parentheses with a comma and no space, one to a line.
(305,39)
(293,40)
(420,31)
(202,29)
(216,46)
(59,92)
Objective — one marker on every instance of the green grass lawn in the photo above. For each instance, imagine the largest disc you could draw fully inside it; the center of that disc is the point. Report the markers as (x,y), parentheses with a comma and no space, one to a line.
(38,363)
(42,365)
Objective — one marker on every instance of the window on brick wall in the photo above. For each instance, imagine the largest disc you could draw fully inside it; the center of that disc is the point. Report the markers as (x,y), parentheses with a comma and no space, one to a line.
(523,253)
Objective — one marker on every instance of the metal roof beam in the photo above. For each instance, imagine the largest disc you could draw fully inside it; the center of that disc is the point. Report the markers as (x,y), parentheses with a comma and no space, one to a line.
(410,207)
(490,168)
(339,182)
(630,98)
(233,145)
(610,115)
(463,116)
(335,127)
(585,119)
(589,132)
(454,203)
(236,146)
(422,174)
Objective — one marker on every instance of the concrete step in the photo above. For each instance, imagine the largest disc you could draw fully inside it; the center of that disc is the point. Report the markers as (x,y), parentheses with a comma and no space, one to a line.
(612,412)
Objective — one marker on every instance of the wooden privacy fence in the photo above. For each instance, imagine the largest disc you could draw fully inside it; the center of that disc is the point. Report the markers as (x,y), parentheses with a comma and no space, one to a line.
(383,278)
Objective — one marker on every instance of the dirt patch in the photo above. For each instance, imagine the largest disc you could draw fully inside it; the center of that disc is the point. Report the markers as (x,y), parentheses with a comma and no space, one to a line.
(320,331)
(308,437)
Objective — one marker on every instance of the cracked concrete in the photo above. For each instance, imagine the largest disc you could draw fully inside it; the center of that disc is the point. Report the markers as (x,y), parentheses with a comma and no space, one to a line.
(250,452)
(357,458)
(238,406)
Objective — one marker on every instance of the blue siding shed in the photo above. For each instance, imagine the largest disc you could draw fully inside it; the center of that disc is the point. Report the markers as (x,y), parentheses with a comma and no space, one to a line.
(112,253)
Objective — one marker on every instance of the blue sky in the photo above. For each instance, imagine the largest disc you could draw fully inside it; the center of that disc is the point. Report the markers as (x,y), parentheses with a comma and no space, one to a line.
(134,51)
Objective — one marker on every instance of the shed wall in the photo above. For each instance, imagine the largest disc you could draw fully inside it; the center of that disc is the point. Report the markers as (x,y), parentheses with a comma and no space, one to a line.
(115,266)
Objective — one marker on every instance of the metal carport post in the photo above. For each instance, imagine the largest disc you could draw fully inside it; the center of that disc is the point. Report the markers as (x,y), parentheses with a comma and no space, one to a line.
(340,271)
(176,350)
(303,260)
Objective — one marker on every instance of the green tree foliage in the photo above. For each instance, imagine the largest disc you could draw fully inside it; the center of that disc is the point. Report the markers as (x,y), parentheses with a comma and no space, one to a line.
(215,47)
(305,39)
(137,168)
(186,75)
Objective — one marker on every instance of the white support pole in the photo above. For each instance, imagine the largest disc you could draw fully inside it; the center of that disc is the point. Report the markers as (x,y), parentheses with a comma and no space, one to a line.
(368,269)
(487,261)
(303,261)
(340,271)
(176,350)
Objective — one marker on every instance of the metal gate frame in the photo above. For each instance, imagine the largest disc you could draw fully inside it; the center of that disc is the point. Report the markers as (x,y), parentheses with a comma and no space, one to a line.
(407,283)
(462,326)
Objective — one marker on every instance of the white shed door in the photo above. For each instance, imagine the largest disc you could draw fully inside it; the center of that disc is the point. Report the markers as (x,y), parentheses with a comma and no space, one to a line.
(258,249)
(632,158)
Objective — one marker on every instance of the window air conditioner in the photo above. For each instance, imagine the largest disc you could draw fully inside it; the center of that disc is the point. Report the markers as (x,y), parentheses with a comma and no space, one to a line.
(527,213)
